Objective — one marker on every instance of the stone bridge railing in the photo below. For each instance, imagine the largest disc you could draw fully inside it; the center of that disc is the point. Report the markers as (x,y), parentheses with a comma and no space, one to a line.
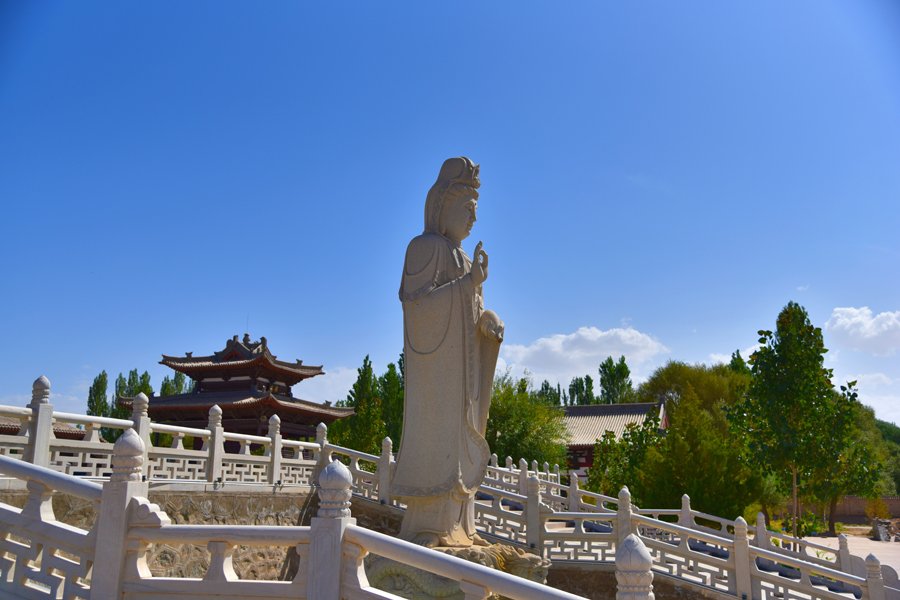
(42,558)
(525,505)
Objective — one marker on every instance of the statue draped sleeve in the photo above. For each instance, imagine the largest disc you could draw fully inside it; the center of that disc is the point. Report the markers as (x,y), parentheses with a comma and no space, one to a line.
(449,373)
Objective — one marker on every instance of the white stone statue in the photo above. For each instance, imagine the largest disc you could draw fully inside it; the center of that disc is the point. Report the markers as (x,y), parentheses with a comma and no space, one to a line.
(451,345)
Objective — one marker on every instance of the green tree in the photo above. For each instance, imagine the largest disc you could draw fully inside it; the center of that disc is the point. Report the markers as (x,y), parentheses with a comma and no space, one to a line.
(715,385)
(581,391)
(737,364)
(125,388)
(548,395)
(520,424)
(390,389)
(365,430)
(97,404)
(697,455)
(179,384)
(889,484)
(615,381)
(790,416)
(699,458)
(619,463)
(857,468)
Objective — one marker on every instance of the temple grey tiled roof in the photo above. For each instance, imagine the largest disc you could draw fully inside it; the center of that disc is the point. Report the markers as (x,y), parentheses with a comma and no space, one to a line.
(239,355)
(586,424)
(224,399)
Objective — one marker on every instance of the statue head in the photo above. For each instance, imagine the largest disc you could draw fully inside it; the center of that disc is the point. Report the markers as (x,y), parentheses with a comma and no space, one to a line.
(458,178)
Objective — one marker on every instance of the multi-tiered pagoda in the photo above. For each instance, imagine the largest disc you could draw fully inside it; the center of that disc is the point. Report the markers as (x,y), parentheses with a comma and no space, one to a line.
(250,385)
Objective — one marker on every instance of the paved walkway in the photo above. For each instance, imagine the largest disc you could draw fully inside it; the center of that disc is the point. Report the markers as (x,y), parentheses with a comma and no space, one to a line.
(887,552)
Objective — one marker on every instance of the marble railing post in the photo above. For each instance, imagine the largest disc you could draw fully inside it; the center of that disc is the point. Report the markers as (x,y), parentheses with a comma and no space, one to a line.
(523,477)
(323,456)
(533,513)
(40,433)
(762,534)
(573,503)
(844,554)
(494,460)
(633,575)
(509,463)
(685,519)
(141,424)
(623,520)
(327,533)
(742,559)
(113,520)
(873,578)
(556,471)
(215,446)
(274,449)
(384,471)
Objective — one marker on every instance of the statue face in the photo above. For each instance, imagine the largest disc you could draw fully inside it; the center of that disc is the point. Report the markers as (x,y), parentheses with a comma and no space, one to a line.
(458,216)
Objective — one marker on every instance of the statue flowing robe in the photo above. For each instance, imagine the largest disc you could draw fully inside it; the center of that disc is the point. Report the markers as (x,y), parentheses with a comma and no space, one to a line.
(450,367)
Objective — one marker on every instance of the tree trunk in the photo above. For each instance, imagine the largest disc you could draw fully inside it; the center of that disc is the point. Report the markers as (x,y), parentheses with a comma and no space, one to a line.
(832,508)
(795,507)
(765,511)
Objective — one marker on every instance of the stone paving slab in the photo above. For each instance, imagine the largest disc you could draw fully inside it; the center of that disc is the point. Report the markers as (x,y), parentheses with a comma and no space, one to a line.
(887,552)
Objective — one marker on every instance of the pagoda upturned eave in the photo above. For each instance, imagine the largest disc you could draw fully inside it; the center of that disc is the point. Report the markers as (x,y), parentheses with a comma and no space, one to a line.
(288,373)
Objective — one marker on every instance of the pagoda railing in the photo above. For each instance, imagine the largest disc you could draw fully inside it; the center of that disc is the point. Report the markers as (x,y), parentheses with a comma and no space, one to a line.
(520,504)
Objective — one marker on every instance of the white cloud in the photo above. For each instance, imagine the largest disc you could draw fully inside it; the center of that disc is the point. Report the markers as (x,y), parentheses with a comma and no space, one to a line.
(871,380)
(715,357)
(332,386)
(560,357)
(68,404)
(887,408)
(19,400)
(857,329)
(803,288)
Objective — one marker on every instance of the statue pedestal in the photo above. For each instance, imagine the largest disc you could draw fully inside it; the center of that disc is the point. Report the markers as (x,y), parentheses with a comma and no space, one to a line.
(415,584)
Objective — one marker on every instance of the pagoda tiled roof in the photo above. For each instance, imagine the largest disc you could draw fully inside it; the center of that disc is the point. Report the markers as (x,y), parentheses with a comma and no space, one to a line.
(10,426)
(241,356)
(240,399)
(586,424)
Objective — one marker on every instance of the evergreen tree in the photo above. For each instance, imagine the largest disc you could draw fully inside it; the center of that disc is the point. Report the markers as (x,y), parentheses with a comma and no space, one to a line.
(615,381)
(125,388)
(737,364)
(97,405)
(179,384)
(390,388)
(365,430)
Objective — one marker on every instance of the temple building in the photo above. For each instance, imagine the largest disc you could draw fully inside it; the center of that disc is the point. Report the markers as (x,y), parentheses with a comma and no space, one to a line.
(588,423)
(250,385)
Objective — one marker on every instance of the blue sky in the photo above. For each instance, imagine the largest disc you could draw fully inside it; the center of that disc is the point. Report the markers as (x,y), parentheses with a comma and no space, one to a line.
(659,180)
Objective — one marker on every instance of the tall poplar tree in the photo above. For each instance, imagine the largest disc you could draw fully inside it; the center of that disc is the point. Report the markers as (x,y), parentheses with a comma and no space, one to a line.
(615,381)
(97,404)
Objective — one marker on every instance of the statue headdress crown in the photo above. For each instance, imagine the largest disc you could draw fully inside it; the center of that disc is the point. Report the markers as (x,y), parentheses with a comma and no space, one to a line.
(454,170)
